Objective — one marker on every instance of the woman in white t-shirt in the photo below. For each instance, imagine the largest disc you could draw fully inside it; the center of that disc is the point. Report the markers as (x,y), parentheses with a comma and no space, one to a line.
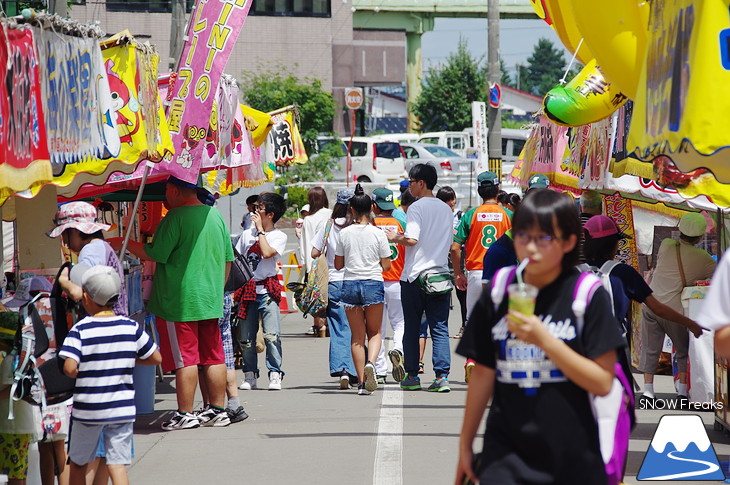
(364,253)
(319,214)
(341,365)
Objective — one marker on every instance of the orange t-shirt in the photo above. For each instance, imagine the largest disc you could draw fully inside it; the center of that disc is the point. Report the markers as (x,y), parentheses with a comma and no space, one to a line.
(480,228)
(397,252)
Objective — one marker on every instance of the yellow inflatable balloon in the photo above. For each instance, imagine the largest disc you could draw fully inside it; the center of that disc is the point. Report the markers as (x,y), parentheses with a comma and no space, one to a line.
(616,34)
(588,97)
(560,13)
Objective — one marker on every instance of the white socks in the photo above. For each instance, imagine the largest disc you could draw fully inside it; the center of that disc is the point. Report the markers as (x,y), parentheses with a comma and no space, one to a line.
(681,389)
(649,389)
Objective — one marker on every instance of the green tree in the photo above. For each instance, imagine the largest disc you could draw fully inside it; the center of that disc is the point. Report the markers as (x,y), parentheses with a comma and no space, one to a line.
(447,93)
(273,87)
(544,70)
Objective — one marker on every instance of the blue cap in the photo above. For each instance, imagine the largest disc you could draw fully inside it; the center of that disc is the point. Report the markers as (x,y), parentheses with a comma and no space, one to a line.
(405,183)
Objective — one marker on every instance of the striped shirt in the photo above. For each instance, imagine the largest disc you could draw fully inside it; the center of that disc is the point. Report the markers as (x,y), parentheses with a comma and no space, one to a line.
(106,349)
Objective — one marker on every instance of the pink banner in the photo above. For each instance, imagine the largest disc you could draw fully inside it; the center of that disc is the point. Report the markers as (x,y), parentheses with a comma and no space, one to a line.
(212,32)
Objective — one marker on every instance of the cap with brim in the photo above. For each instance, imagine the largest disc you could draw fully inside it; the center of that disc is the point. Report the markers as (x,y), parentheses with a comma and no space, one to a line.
(181,183)
(101,283)
(405,183)
(25,288)
(77,215)
(383,198)
(305,207)
(488,179)
(538,181)
(603,226)
(344,195)
(692,224)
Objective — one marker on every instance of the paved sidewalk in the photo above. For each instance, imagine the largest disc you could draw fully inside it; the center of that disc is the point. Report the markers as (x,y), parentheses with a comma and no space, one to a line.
(312,432)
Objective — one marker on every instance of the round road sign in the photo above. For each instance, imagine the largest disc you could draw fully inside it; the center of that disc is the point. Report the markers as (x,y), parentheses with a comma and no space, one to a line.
(353,98)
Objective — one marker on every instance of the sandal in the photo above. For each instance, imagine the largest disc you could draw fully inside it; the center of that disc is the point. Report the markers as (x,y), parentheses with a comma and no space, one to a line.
(460,334)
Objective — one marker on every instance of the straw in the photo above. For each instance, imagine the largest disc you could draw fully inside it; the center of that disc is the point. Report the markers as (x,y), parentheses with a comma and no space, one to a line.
(520,269)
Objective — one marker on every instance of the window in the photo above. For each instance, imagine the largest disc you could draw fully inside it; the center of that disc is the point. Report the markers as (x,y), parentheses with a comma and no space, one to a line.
(358,149)
(296,8)
(438,151)
(158,6)
(517,146)
(456,143)
(431,140)
(387,150)
(410,152)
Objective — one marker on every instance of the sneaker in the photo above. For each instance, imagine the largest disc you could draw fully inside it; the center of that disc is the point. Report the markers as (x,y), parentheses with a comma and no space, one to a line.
(467,370)
(370,382)
(439,385)
(236,416)
(362,390)
(274,381)
(344,380)
(214,417)
(411,383)
(312,330)
(420,368)
(381,380)
(249,382)
(181,421)
(396,358)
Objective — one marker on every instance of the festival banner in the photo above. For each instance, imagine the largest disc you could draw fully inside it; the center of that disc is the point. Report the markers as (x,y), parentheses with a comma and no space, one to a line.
(77,103)
(137,115)
(682,112)
(213,28)
(24,157)
(590,151)
(284,146)
(618,209)
(227,143)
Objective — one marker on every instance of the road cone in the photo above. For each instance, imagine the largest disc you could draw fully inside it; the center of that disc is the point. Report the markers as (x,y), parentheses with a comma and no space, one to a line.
(284,304)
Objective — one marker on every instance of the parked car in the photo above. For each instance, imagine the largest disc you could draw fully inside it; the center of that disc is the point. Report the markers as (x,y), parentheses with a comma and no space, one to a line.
(513,140)
(399,137)
(447,162)
(374,160)
(458,141)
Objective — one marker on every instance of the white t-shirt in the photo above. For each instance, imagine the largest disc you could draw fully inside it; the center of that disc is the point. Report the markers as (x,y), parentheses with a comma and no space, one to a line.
(311,227)
(363,245)
(666,283)
(431,222)
(715,312)
(333,240)
(249,246)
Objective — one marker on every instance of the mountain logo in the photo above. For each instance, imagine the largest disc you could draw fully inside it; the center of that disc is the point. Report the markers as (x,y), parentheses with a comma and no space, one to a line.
(680,450)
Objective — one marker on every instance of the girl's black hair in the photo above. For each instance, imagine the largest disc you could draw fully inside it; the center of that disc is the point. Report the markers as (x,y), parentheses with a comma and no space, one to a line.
(600,248)
(340,211)
(93,235)
(407,198)
(512,199)
(361,202)
(446,194)
(547,210)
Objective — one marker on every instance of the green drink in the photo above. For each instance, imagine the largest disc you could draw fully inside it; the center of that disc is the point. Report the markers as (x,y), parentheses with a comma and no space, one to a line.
(522,298)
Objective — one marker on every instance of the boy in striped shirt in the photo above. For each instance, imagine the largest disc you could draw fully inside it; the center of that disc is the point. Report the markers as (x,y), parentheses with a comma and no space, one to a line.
(100,352)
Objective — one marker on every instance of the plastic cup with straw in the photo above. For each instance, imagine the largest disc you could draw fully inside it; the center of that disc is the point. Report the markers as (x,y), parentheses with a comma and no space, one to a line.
(522,295)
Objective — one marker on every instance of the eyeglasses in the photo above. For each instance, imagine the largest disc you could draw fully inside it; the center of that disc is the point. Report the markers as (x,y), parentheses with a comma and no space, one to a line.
(412,181)
(541,241)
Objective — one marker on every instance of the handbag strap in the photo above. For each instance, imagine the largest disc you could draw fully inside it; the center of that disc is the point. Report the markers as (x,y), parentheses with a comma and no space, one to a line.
(681,267)
(326,234)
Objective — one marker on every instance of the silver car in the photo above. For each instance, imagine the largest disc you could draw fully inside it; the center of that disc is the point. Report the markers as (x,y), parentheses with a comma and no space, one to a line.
(448,163)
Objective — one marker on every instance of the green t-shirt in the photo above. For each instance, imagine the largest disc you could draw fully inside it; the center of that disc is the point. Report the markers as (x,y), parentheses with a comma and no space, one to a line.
(191,247)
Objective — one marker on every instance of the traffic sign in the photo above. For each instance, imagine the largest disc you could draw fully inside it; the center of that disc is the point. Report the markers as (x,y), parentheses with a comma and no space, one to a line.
(353,98)
(495,95)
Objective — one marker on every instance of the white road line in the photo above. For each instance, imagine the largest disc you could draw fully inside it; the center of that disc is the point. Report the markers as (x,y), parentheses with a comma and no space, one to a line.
(388,468)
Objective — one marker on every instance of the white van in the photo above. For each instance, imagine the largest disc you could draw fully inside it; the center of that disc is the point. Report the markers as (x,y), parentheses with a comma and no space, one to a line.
(513,140)
(399,137)
(376,161)
(456,141)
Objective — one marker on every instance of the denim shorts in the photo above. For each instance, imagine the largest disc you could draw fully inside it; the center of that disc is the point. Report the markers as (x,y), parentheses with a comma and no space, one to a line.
(362,293)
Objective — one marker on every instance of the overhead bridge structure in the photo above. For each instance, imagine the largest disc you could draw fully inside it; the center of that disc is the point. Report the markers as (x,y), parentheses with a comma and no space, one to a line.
(416,17)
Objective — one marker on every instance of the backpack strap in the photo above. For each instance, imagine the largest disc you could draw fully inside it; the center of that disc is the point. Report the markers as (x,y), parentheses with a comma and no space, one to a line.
(583,267)
(327,228)
(608,266)
(500,281)
(583,291)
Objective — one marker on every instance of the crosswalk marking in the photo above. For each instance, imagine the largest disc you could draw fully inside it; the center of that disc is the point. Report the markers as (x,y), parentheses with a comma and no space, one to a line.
(389,450)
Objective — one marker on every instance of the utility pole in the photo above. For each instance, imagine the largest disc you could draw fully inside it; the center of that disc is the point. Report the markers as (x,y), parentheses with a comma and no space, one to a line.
(177,32)
(494,121)
(58,7)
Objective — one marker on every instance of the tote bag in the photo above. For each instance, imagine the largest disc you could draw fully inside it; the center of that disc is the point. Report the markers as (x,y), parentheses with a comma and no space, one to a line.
(313,297)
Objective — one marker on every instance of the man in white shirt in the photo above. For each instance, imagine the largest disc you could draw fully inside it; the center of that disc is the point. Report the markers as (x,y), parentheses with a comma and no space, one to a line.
(715,313)
(428,236)
(679,264)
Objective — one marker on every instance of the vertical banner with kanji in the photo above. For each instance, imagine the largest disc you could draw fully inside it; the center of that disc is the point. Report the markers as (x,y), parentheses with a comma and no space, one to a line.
(212,32)
(618,209)
(284,145)
(479,123)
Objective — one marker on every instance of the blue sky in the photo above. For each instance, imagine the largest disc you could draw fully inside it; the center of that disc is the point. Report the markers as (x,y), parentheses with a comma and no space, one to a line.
(517,40)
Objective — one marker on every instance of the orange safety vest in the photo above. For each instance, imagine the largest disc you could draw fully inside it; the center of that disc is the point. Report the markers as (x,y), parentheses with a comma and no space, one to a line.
(397,252)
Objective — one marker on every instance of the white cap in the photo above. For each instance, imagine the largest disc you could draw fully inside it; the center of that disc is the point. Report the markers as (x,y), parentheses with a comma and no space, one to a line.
(102,283)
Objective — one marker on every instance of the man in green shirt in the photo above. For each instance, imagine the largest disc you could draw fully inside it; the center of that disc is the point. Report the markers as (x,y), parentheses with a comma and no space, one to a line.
(193,252)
